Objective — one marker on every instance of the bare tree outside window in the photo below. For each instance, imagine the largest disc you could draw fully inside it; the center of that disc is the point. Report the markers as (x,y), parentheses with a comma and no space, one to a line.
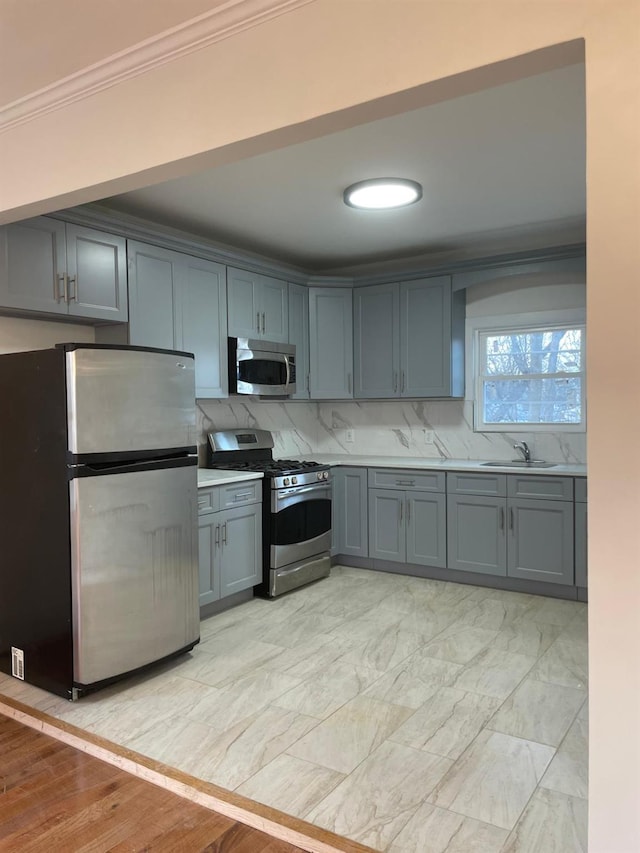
(532,376)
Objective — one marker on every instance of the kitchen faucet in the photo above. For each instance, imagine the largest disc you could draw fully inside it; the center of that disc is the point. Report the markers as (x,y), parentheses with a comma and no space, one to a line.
(523,447)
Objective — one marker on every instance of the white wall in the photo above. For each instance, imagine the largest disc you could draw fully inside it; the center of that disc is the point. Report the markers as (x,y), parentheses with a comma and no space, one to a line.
(353,65)
(17,334)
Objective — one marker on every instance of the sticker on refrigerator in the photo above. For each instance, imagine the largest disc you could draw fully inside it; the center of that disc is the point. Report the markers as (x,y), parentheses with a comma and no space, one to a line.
(17,663)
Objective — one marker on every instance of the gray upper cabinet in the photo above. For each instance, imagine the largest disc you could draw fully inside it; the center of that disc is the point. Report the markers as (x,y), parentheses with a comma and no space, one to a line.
(299,337)
(330,343)
(258,306)
(350,512)
(58,268)
(409,340)
(179,302)
(376,341)
(431,338)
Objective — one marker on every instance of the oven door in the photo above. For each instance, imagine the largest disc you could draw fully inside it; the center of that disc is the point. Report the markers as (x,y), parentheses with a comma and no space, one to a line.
(300,523)
(264,372)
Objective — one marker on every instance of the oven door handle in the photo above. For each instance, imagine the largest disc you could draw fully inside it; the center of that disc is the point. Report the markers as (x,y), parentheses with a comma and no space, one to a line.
(302,490)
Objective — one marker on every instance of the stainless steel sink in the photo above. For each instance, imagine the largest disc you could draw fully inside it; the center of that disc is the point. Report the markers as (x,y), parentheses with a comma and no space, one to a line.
(520,463)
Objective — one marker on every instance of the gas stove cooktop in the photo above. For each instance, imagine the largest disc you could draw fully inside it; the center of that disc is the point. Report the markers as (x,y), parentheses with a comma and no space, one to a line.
(252,450)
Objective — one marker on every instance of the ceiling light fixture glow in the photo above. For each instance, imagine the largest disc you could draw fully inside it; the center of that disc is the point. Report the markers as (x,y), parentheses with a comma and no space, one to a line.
(382,193)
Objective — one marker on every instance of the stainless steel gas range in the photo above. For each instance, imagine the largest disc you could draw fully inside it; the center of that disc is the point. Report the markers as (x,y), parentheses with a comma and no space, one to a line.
(296,508)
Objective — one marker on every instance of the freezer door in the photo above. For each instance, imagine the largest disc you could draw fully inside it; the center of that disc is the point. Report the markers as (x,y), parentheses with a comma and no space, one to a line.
(134,557)
(125,400)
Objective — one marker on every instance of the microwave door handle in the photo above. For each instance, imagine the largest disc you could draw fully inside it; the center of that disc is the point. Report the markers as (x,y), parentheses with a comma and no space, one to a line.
(288,366)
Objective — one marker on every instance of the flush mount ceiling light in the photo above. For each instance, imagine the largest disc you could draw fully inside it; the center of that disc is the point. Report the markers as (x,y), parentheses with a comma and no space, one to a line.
(382,193)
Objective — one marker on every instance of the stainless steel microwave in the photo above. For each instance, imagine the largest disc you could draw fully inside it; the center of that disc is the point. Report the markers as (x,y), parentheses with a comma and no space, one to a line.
(262,368)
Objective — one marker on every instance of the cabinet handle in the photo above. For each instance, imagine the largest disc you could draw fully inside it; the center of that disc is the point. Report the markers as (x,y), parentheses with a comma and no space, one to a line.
(408,511)
(258,322)
(401,505)
(73,295)
(405,482)
(57,280)
(501,518)
(403,379)
(242,495)
(65,287)
(264,325)
(349,383)
(217,535)
(511,518)
(395,381)
(224,533)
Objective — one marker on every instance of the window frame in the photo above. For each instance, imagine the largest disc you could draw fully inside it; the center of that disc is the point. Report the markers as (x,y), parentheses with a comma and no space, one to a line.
(480,327)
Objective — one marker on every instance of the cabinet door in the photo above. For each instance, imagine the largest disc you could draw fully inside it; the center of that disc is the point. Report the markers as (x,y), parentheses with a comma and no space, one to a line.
(376,343)
(581,544)
(387,525)
(153,288)
(208,556)
(426,529)
(274,309)
(242,301)
(425,337)
(32,264)
(203,321)
(476,536)
(350,511)
(299,337)
(241,544)
(97,269)
(330,343)
(541,540)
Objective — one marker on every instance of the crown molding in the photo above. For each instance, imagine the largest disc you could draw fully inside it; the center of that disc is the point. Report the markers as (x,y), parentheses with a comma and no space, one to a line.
(225,21)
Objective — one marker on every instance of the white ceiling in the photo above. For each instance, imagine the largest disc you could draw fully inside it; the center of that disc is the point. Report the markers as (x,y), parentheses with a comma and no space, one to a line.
(507,160)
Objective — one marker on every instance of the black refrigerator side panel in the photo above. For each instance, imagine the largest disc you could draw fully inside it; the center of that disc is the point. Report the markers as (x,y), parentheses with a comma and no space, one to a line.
(35,576)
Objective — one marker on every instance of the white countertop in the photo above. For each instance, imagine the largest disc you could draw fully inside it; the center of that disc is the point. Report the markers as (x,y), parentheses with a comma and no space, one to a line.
(209,477)
(412,462)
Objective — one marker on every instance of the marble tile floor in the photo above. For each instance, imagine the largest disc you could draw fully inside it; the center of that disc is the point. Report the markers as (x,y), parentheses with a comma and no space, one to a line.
(411,715)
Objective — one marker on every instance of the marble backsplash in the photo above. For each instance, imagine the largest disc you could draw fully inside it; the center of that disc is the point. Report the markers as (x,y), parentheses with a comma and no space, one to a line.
(387,428)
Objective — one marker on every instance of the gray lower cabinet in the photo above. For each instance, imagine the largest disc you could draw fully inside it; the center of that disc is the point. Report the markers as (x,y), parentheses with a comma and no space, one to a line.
(62,269)
(492,531)
(349,512)
(407,519)
(475,534)
(178,301)
(580,531)
(230,539)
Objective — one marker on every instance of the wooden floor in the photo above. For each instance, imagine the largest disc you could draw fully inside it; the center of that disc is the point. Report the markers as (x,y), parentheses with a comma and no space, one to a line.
(57,799)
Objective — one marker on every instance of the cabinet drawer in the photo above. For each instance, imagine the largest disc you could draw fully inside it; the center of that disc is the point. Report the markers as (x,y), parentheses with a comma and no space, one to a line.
(470,483)
(239,494)
(580,485)
(392,478)
(208,500)
(550,488)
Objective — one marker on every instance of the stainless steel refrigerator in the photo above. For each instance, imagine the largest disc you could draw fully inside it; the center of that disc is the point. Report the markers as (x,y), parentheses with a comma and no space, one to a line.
(98,513)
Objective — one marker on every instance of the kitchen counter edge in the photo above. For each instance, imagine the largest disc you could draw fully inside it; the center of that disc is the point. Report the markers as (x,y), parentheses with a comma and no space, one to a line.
(210,477)
(412,463)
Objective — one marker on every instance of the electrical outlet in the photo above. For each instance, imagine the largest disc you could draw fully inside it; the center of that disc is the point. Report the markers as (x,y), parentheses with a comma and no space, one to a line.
(348,436)
(429,436)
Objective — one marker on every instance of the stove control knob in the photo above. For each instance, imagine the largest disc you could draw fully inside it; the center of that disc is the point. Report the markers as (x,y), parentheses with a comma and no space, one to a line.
(294,480)
(325,475)
(319,475)
(285,482)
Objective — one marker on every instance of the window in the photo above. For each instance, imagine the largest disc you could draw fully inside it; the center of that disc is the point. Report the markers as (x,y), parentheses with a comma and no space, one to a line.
(531,378)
